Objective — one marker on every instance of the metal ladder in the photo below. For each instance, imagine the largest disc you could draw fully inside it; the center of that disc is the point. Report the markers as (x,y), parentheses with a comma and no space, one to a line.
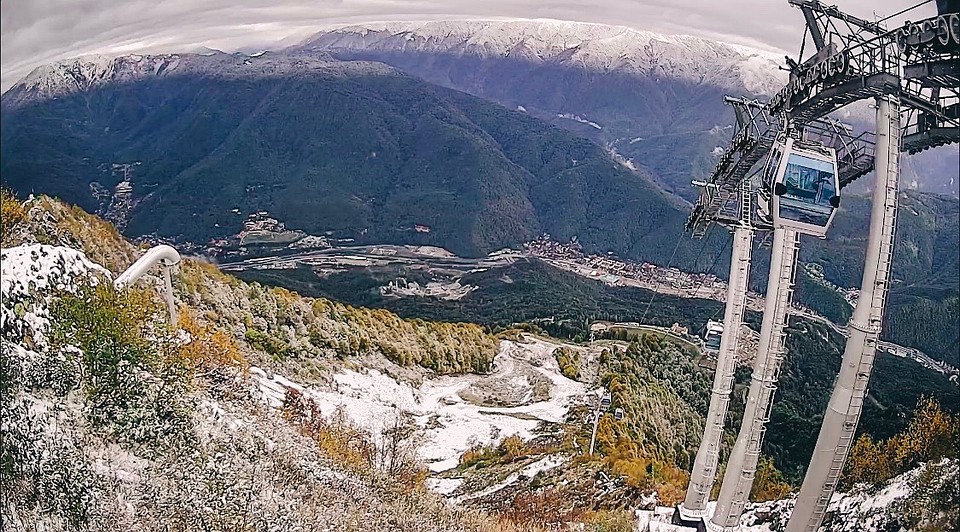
(771,371)
(875,321)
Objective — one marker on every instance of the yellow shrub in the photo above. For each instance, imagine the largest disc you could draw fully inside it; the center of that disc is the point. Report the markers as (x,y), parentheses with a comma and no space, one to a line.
(932,434)
(12,214)
(513,447)
(768,484)
(207,349)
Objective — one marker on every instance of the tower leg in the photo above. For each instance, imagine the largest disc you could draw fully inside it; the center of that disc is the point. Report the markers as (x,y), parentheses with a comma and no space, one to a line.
(846,402)
(742,465)
(705,466)
(168,295)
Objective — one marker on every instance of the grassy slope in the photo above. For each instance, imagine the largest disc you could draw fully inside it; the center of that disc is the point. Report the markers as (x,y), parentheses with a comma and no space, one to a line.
(531,291)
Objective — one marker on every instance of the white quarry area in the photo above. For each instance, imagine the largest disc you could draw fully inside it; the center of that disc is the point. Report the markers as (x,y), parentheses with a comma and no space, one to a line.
(623,161)
(454,413)
(580,119)
(431,251)
(592,46)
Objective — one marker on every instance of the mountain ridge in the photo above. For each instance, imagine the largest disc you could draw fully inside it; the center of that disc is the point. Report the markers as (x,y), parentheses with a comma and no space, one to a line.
(597,46)
(355,148)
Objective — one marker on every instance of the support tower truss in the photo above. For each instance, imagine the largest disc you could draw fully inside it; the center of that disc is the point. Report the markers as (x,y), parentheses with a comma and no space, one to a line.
(914,74)
(708,456)
(742,465)
(846,402)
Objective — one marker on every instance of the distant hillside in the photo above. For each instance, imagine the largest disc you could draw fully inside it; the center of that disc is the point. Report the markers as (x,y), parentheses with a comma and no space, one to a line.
(185,146)
(564,304)
(657,100)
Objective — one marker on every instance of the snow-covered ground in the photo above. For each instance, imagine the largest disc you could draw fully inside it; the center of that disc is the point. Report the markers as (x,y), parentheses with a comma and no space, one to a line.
(863,509)
(31,273)
(546,463)
(595,47)
(446,408)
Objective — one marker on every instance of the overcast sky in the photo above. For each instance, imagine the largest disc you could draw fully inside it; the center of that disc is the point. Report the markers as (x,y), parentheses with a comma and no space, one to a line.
(35,32)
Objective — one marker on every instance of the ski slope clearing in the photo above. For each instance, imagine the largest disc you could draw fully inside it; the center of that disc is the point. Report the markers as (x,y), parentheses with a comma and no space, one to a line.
(453,413)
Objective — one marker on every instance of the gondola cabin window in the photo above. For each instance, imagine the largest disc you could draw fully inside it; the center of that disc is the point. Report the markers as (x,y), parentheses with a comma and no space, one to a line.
(805,188)
(809,188)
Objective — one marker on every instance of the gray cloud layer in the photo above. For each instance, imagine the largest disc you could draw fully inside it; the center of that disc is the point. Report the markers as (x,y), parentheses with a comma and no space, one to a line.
(34,32)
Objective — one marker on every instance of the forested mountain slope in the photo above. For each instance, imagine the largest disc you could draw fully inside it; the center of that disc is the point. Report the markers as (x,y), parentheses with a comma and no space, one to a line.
(348,148)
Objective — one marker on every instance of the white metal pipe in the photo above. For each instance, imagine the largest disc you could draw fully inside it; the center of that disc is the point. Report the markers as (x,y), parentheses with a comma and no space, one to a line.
(846,401)
(164,256)
(708,456)
(742,465)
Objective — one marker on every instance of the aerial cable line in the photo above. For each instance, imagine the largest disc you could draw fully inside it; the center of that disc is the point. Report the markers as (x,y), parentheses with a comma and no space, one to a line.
(659,280)
(714,265)
(902,11)
(656,289)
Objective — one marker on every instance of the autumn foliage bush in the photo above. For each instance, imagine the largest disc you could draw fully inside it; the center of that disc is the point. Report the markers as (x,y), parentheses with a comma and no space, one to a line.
(207,349)
(932,434)
(12,214)
(569,362)
(512,448)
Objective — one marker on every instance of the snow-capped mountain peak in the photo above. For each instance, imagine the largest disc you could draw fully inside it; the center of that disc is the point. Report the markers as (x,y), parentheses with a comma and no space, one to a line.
(591,46)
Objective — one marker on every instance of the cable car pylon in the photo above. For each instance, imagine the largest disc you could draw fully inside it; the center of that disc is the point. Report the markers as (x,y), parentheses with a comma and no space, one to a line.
(694,506)
(846,401)
(913,74)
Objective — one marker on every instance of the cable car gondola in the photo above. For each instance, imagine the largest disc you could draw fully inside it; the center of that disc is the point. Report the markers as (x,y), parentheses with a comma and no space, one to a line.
(711,337)
(801,187)
(605,401)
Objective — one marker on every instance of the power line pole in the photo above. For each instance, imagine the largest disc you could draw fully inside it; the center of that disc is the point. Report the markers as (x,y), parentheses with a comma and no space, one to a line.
(603,404)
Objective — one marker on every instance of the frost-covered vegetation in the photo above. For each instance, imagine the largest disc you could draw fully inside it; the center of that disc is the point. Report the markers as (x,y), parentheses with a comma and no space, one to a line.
(113,419)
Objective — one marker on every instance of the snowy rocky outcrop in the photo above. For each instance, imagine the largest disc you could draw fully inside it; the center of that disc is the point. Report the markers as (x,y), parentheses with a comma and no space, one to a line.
(85,73)
(924,498)
(596,47)
(914,500)
(31,275)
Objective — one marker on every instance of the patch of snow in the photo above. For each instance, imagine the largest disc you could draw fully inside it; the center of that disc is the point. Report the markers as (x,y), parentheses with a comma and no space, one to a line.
(529,471)
(450,424)
(31,275)
(444,486)
(578,118)
(623,161)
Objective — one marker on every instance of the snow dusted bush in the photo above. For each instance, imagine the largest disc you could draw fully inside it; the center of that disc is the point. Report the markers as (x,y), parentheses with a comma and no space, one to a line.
(134,381)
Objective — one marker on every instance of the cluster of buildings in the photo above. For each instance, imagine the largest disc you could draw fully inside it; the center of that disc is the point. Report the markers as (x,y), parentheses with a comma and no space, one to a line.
(404,288)
(613,271)
(922,358)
